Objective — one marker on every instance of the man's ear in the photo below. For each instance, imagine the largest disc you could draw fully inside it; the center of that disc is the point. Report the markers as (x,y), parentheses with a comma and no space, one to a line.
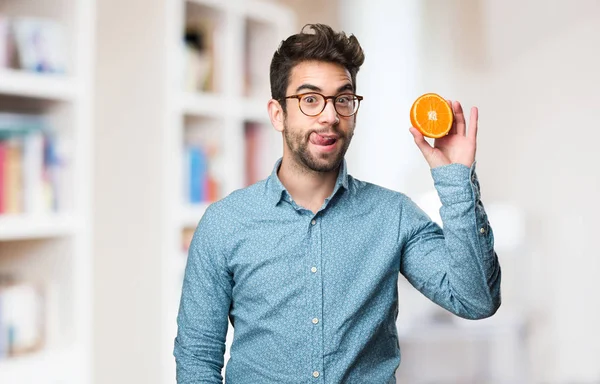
(276,114)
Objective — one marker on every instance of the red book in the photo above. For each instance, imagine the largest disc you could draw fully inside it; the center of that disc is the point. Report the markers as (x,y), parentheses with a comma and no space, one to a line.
(13,177)
(3,183)
(252,148)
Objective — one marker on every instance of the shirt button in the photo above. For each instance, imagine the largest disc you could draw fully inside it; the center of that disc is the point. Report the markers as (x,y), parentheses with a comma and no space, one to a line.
(315,321)
(482,230)
(313,269)
(313,222)
(316,374)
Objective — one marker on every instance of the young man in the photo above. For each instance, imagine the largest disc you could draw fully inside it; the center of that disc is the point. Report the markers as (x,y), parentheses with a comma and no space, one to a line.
(305,264)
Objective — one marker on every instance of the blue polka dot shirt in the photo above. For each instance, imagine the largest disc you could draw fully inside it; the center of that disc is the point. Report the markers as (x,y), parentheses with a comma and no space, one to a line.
(313,298)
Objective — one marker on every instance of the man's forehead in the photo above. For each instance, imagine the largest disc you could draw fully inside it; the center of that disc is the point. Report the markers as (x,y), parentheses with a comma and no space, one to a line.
(320,74)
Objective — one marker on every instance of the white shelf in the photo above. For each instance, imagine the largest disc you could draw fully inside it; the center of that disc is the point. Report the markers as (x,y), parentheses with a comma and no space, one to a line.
(255,110)
(21,227)
(191,214)
(215,4)
(256,9)
(203,104)
(265,12)
(214,105)
(36,85)
(51,366)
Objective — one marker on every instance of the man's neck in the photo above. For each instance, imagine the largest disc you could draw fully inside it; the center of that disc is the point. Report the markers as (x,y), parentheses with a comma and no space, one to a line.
(308,188)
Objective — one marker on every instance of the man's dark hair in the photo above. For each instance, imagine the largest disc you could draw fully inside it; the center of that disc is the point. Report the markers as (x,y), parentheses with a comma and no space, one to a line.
(323,45)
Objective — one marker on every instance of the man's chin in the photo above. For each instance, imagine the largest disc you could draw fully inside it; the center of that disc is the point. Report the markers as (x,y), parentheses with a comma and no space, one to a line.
(323,165)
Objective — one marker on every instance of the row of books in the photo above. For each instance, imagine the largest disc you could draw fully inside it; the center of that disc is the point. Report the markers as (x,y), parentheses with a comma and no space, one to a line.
(30,165)
(32,44)
(187,234)
(200,49)
(199,56)
(261,145)
(199,176)
(200,184)
(22,325)
(259,38)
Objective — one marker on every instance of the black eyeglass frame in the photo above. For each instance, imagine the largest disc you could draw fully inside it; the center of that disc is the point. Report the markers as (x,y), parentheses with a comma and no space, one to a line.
(326,98)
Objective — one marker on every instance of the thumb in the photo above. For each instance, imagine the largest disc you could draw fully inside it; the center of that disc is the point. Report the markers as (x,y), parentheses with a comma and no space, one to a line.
(423,145)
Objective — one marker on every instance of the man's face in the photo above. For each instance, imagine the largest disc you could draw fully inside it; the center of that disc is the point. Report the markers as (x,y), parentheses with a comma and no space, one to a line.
(320,142)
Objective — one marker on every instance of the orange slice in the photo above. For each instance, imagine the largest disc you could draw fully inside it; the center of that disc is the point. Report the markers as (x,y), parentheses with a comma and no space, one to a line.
(431,115)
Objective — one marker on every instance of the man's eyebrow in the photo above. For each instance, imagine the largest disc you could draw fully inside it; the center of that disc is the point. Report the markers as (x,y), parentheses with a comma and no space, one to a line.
(309,87)
(345,87)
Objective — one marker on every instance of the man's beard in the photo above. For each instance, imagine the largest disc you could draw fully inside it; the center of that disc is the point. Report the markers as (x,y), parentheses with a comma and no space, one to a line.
(298,144)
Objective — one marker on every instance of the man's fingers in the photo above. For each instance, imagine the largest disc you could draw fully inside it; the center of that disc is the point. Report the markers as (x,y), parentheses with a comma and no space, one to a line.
(423,145)
(453,127)
(473,123)
(459,118)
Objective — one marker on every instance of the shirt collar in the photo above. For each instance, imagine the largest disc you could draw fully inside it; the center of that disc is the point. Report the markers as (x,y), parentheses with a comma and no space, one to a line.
(277,191)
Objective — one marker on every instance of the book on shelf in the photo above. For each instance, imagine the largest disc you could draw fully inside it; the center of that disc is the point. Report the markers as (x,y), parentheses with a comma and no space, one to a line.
(252,137)
(201,185)
(33,44)
(259,38)
(187,234)
(22,322)
(30,165)
(5,48)
(199,56)
(260,153)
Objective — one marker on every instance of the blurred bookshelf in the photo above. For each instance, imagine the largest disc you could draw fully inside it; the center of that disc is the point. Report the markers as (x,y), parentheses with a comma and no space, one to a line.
(218,126)
(49,366)
(45,163)
(46,86)
(23,227)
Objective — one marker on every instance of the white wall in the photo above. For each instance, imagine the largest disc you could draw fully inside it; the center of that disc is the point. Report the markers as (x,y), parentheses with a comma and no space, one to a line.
(127,211)
(381,151)
(314,11)
(533,72)
(545,132)
(533,69)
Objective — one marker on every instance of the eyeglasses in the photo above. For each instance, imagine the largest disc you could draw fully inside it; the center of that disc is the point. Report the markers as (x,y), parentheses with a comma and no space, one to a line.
(313,103)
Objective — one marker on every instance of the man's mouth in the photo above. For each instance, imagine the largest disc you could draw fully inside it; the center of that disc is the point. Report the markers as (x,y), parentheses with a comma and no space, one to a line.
(322,139)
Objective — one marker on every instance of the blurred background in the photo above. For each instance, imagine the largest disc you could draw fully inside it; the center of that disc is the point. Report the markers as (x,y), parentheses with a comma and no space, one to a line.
(120,121)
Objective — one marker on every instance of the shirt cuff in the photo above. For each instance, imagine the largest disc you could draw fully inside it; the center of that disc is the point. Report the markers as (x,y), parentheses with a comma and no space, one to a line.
(456,183)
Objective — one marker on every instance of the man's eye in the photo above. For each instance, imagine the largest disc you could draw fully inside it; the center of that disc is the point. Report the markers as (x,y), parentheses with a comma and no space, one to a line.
(342,100)
(309,99)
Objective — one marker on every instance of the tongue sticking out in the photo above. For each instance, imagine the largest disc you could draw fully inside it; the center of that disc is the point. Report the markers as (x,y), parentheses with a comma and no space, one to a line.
(317,139)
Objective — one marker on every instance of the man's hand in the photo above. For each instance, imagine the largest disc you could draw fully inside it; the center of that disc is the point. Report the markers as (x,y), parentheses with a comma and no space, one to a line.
(457,147)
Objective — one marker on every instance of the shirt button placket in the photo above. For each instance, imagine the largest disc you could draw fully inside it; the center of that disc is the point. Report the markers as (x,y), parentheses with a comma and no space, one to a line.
(316,292)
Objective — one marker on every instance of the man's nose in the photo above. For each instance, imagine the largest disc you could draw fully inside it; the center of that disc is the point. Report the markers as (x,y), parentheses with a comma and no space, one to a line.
(329,114)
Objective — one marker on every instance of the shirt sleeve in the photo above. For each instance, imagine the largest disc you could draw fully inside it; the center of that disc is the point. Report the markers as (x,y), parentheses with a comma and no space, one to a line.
(456,267)
(204,308)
